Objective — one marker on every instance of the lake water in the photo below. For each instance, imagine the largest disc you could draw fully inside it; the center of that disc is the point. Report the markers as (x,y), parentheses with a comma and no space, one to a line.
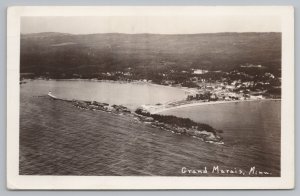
(249,128)
(59,139)
(130,95)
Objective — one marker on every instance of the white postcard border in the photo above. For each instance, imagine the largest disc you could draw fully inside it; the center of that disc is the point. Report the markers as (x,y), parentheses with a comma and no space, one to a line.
(16,181)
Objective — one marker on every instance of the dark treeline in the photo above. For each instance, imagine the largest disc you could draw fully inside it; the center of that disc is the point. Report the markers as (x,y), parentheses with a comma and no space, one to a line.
(180,122)
(60,55)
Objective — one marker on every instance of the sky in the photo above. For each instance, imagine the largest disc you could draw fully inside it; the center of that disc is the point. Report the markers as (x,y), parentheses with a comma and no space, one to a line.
(150,24)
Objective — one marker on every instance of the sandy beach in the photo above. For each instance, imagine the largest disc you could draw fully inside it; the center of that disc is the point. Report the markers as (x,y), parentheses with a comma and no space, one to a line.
(166,108)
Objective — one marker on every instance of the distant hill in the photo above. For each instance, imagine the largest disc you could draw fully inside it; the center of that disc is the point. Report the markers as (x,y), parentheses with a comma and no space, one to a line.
(93,53)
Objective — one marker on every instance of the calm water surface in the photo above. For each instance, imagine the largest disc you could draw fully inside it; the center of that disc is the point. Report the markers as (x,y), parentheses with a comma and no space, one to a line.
(59,139)
(131,95)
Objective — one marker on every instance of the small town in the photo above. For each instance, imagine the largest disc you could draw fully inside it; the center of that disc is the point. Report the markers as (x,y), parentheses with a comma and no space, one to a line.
(248,82)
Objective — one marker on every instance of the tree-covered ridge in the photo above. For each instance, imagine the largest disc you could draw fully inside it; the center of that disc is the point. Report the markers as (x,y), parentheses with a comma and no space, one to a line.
(68,55)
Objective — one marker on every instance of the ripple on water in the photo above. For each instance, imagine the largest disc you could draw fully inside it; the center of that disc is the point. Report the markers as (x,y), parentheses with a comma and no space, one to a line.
(59,139)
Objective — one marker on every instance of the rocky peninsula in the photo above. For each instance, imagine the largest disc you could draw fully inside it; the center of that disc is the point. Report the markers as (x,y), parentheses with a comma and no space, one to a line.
(183,126)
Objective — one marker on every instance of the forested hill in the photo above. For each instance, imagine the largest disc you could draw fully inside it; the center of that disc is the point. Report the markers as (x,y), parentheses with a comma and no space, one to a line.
(95,53)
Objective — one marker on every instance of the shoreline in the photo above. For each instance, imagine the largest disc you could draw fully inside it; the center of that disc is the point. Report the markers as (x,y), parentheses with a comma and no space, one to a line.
(185,89)
(168,123)
(206,103)
(166,106)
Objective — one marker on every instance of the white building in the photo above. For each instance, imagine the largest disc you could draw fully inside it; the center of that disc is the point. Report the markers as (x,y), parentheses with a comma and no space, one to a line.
(200,71)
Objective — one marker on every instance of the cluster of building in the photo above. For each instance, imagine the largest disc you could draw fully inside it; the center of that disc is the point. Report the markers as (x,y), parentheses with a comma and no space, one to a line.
(222,91)
(213,85)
